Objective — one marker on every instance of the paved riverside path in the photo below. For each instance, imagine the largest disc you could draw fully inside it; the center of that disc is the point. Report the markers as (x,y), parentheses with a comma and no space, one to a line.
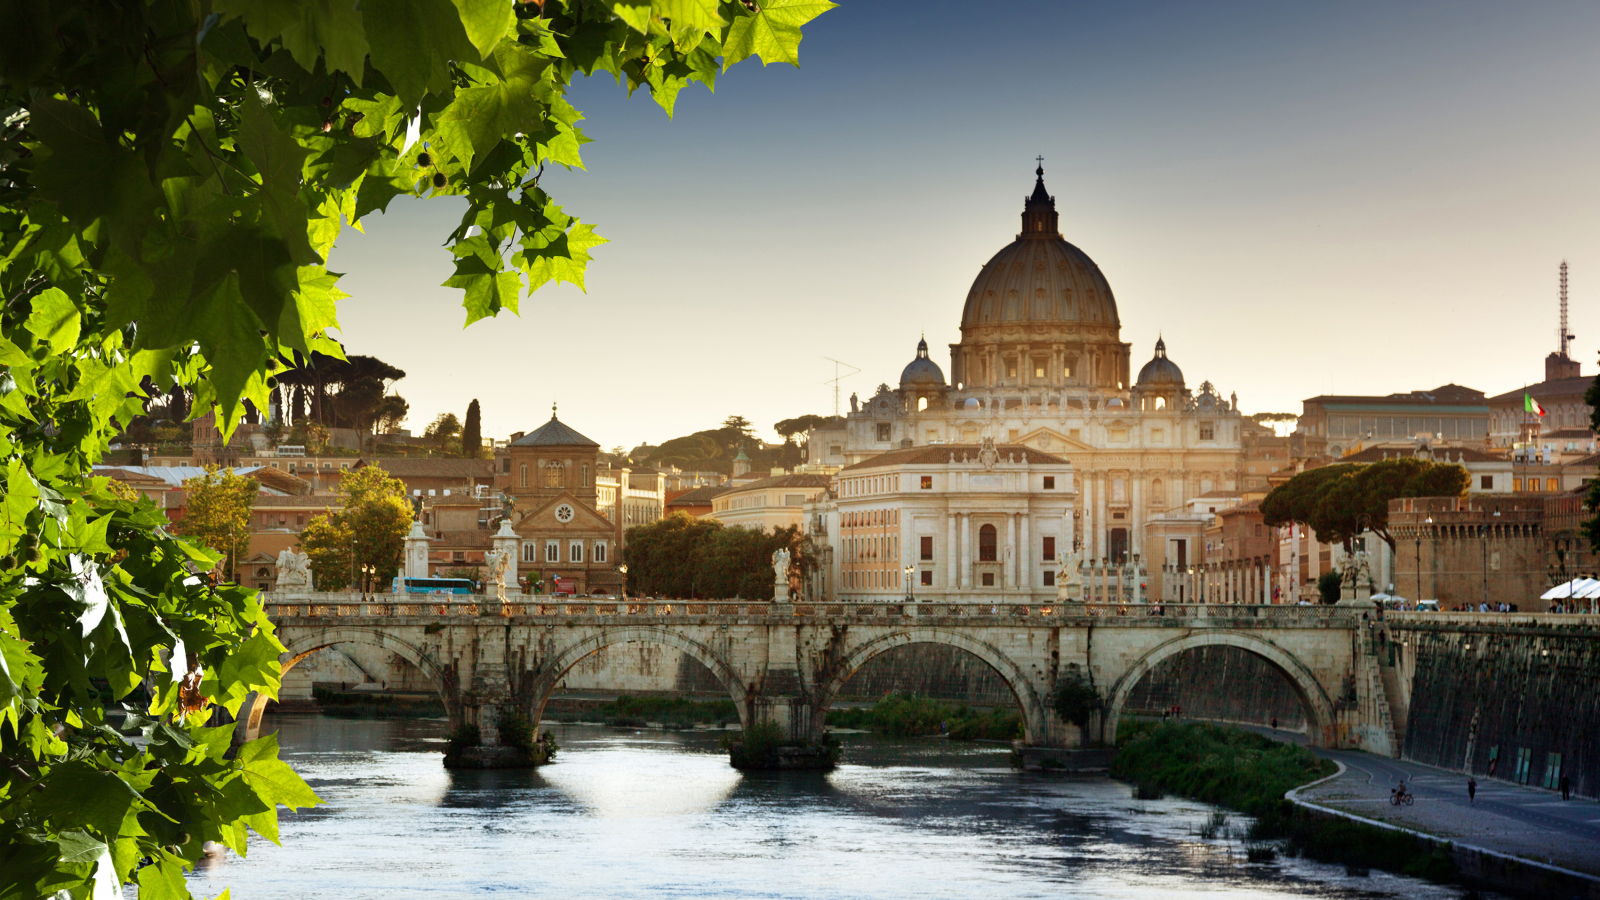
(1519,820)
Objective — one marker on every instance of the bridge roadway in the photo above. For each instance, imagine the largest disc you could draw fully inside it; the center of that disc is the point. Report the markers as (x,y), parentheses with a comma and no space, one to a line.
(785,663)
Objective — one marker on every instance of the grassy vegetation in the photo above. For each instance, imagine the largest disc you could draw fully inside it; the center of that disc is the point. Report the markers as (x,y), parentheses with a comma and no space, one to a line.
(637,712)
(898,715)
(1250,773)
(361,705)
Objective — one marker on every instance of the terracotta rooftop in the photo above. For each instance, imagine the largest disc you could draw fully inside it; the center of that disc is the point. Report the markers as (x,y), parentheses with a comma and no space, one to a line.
(700,496)
(431,467)
(940,454)
(553,433)
(1559,387)
(782,481)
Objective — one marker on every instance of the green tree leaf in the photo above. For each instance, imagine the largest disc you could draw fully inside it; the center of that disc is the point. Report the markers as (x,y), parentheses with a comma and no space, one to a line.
(773,33)
(54,320)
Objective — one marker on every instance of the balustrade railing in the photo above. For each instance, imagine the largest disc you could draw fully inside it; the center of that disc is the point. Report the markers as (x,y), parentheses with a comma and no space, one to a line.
(342,605)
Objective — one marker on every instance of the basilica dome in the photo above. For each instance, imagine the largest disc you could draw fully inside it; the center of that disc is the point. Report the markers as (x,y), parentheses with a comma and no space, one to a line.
(1040,279)
(1160,370)
(922,372)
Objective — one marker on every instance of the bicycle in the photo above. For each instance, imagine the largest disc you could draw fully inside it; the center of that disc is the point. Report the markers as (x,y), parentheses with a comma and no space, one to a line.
(1396,798)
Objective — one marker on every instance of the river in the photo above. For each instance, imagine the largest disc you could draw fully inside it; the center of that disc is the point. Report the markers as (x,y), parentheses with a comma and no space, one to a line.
(638,813)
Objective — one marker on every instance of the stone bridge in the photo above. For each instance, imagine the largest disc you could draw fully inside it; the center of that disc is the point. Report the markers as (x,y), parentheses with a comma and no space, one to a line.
(785,663)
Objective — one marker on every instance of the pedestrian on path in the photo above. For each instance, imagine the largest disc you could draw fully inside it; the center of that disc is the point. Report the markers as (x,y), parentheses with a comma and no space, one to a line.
(1472,790)
(1274,723)
(1566,788)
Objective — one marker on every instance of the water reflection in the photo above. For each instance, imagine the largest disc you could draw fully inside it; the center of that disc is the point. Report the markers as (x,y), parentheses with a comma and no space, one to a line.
(653,814)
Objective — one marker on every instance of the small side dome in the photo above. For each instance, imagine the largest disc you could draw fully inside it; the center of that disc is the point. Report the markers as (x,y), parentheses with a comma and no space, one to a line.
(1160,371)
(970,403)
(922,372)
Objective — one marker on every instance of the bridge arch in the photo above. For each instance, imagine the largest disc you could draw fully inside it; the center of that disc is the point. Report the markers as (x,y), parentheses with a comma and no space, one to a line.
(1035,720)
(566,658)
(303,645)
(1313,697)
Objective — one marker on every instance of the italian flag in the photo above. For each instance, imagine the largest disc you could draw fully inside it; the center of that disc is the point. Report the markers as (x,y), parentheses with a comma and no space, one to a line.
(1531,405)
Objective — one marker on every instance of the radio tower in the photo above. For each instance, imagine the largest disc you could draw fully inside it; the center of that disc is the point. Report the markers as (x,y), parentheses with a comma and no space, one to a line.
(1562,336)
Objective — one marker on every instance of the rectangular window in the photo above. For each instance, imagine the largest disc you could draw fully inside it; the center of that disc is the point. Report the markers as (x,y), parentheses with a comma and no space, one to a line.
(1208,431)
(505,464)
(599,551)
(1049,578)
(927,482)
(1038,369)
(927,577)
(300,519)
(1486,482)
(459,557)
(883,431)
(552,551)
(1049,547)
(1516,485)
(926,542)
(988,579)
(575,552)
(1011,435)
(1049,482)
(1552,485)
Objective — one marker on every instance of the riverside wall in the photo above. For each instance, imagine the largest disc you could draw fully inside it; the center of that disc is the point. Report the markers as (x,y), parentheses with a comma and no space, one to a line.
(1515,697)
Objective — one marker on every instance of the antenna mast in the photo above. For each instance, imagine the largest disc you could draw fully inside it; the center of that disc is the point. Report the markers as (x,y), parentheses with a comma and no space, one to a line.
(1562,337)
(838,378)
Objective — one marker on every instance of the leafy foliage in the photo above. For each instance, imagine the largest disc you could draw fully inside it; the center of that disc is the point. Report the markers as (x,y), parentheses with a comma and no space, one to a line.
(172,178)
(1329,586)
(472,432)
(1075,700)
(899,715)
(370,529)
(681,556)
(1342,500)
(217,513)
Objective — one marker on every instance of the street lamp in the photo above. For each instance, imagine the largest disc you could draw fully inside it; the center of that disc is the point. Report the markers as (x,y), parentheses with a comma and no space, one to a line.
(909,571)
(624,570)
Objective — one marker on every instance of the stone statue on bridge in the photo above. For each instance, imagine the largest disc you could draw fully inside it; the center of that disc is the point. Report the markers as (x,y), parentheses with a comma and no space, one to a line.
(294,570)
(1069,580)
(496,562)
(780,573)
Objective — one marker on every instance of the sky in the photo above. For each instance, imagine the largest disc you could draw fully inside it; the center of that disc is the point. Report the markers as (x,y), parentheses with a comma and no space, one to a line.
(1357,198)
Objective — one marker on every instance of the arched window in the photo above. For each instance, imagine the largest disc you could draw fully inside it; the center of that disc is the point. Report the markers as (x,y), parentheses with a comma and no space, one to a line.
(552,475)
(585,474)
(1161,403)
(986,544)
(524,474)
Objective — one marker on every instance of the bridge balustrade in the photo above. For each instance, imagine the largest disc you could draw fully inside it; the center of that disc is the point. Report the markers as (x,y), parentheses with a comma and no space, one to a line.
(340,605)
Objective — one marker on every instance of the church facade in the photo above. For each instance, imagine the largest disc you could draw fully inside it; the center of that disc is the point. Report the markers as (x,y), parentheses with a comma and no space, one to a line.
(1041,364)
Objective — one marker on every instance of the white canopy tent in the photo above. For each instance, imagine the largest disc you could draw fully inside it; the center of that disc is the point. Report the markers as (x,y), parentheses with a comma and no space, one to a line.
(1576,589)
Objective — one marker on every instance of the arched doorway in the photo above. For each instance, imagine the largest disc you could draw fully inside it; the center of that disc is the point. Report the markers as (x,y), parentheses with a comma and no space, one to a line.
(1035,721)
(1314,702)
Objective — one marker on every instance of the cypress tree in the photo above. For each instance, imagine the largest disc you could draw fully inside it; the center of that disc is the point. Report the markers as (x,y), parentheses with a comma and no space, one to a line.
(471,432)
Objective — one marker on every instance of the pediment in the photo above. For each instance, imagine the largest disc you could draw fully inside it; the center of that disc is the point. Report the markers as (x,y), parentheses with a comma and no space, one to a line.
(542,520)
(1049,440)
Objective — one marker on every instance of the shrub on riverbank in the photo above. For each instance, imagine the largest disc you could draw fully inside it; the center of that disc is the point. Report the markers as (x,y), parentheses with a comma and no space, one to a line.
(636,712)
(1249,772)
(898,715)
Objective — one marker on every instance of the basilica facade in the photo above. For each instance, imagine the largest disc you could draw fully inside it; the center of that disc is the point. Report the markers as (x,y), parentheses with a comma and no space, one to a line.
(1042,365)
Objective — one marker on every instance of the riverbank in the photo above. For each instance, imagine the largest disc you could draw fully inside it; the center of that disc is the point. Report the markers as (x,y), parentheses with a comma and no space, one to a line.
(1251,773)
(898,715)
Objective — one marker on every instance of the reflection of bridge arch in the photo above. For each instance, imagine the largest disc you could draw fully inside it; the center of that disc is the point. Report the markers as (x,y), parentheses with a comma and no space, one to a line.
(1313,699)
(303,646)
(1036,724)
(564,660)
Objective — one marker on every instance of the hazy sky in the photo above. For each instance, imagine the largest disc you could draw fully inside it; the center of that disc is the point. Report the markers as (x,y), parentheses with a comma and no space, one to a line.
(1303,198)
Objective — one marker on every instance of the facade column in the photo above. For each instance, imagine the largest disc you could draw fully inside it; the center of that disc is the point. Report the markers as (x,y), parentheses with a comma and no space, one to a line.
(1025,576)
(950,582)
(1136,521)
(1008,559)
(1100,535)
(966,550)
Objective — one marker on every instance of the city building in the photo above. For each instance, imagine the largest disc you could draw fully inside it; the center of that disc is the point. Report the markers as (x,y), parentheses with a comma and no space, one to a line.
(966,519)
(567,544)
(695,502)
(1330,425)
(764,504)
(1041,363)
(1561,394)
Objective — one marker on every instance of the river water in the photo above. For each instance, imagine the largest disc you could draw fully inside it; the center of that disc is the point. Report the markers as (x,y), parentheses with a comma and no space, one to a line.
(624,813)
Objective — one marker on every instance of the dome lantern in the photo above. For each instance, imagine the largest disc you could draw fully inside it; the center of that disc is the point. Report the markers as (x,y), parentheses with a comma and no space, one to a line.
(1039,210)
(922,373)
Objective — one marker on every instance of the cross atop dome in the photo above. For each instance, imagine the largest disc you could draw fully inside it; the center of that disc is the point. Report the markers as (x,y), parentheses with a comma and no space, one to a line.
(1039,210)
